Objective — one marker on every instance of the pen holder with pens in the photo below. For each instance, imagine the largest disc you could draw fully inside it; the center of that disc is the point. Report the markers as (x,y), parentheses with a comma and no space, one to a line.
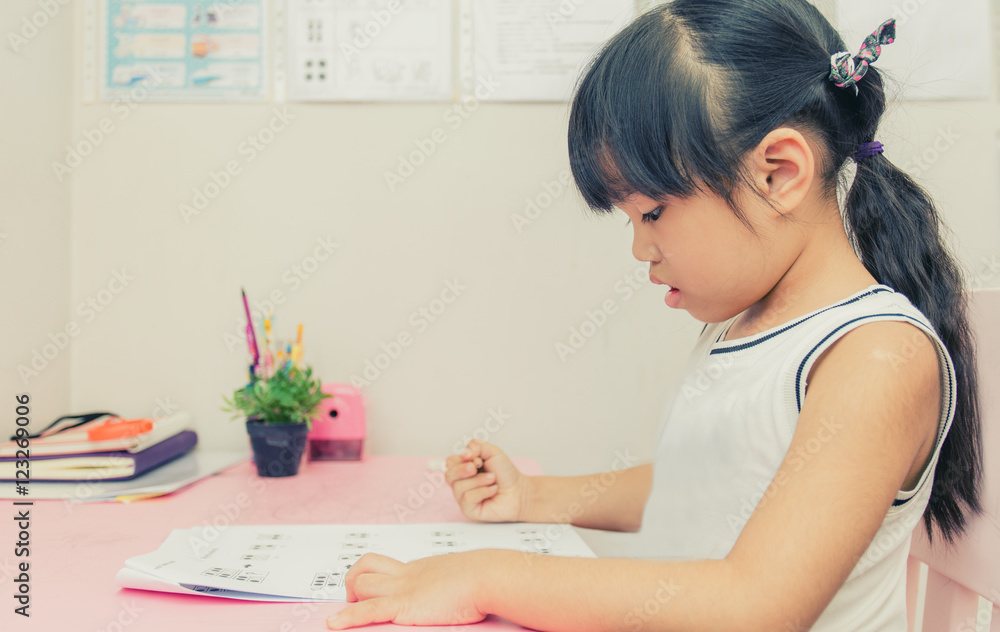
(280,400)
(338,429)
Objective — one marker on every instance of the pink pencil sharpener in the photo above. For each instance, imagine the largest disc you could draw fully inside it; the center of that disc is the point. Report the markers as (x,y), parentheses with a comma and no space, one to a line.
(338,430)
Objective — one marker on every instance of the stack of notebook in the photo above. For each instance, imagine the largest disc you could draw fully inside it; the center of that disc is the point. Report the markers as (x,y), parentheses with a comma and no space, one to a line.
(90,451)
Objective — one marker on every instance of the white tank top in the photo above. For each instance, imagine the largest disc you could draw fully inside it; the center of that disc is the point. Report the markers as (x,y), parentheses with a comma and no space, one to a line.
(730,427)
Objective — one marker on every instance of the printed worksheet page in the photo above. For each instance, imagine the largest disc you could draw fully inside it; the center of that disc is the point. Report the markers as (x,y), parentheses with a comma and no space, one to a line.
(310,562)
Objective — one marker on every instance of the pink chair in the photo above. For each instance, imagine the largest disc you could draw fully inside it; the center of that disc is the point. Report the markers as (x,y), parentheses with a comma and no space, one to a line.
(958,590)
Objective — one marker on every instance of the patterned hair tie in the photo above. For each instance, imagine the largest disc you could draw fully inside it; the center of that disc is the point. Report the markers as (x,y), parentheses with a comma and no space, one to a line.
(867,150)
(846,71)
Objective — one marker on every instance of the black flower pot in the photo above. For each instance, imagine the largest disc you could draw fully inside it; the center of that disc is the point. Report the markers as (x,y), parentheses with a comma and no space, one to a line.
(277,448)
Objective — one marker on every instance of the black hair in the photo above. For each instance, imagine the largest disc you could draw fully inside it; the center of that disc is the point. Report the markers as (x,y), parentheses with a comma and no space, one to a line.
(673,104)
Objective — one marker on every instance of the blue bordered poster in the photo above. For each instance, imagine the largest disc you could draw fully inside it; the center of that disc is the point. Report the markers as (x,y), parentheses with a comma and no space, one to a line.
(184,49)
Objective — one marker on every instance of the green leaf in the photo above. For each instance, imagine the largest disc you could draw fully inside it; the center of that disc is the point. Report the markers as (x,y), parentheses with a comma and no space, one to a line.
(290,396)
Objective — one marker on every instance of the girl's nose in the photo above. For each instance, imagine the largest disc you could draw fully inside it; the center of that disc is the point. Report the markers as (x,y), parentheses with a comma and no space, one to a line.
(642,249)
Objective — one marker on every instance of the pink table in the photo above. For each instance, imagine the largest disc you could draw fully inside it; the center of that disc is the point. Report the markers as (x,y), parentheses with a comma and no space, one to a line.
(77,548)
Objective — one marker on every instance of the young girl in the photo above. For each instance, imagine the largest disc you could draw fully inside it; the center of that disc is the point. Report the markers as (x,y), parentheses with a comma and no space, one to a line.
(831,399)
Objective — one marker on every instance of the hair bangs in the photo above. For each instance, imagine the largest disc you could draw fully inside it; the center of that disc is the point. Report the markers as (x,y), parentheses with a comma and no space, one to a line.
(628,141)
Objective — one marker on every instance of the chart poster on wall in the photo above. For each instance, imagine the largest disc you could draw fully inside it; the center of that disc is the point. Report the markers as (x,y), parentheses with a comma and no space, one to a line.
(197,50)
(370,50)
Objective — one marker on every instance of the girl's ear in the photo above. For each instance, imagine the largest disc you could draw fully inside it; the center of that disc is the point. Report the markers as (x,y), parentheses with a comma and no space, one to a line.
(783,168)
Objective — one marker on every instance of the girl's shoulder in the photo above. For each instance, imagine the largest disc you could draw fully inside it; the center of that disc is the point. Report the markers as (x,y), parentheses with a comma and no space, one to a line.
(883,325)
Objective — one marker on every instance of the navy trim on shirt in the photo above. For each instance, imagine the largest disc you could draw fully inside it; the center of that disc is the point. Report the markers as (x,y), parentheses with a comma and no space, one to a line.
(753,343)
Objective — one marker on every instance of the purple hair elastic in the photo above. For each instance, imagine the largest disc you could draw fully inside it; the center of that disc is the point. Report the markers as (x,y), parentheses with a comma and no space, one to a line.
(867,150)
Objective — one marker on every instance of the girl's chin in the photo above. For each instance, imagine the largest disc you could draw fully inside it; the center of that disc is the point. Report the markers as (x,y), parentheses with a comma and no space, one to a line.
(673,299)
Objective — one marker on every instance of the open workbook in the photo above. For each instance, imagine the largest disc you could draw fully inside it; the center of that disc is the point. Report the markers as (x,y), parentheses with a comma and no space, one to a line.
(310,562)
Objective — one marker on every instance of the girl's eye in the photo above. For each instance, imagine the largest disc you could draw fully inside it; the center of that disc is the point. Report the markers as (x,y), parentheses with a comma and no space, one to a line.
(652,216)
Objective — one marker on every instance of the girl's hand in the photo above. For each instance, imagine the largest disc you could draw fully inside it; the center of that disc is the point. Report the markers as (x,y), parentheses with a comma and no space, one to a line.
(437,590)
(499,494)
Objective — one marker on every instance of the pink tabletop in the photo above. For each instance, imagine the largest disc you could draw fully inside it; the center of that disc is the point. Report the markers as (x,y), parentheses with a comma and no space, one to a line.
(77,548)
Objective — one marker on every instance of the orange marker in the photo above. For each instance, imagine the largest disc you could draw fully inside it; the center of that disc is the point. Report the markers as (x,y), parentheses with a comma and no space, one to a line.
(117,428)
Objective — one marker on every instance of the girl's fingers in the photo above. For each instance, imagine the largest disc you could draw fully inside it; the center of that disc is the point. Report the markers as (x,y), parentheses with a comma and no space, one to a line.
(483,450)
(362,613)
(461,457)
(375,563)
(458,472)
(473,498)
(469,454)
(369,563)
(461,471)
(468,463)
(462,487)
(477,451)
(473,449)
(369,586)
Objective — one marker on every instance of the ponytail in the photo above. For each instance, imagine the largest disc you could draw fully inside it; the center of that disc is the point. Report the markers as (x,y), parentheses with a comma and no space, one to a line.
(896,233)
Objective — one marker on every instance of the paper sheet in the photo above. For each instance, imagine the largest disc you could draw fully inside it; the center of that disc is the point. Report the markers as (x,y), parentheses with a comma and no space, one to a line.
(534,50)
(135,579)
(942,50)
(383,50)
(310,562)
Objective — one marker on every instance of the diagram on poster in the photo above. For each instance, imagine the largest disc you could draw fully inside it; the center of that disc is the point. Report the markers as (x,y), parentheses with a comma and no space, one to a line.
(310,562)
(184,49)
(535,51)
(369,50)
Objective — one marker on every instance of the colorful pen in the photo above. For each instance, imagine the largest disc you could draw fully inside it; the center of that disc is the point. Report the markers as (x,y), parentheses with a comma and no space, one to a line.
(297,350)
(268,356)
(251,336)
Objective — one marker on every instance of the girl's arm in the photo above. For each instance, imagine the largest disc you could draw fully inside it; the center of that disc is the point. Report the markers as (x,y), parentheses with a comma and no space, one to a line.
(613,501)
(866,429)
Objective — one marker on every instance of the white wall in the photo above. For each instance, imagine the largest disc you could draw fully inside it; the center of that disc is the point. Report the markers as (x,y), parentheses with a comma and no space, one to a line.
(37,110)
(323,177)
(163,339)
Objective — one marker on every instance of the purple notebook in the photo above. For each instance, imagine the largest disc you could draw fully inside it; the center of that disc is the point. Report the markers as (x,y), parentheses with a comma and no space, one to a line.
(95,466)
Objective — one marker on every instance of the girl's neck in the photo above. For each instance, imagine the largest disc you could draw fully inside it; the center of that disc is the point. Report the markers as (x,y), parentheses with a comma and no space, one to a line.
(826,271)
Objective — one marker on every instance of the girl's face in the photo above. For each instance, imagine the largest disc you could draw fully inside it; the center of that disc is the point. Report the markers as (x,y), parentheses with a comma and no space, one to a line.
(710,262)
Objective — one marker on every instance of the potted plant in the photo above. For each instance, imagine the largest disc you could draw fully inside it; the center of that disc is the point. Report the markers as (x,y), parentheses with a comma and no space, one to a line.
(278,411)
